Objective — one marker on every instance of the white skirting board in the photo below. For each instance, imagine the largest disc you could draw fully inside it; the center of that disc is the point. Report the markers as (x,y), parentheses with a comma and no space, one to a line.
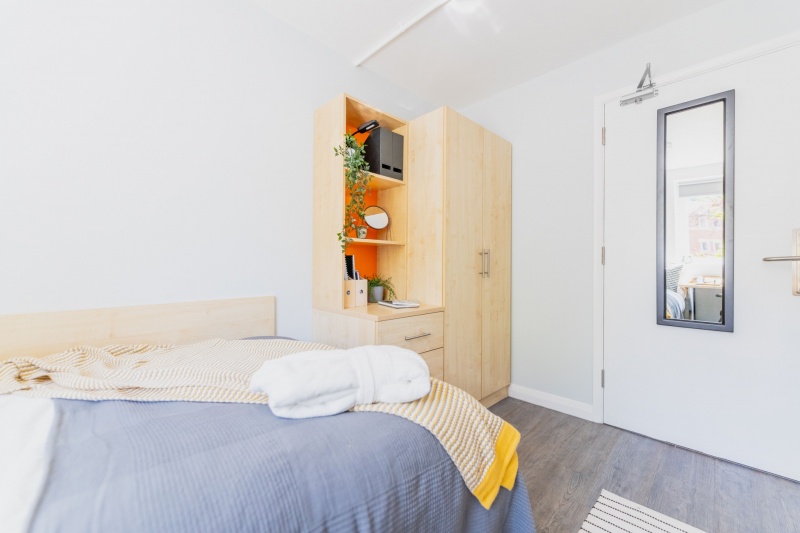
(552,401)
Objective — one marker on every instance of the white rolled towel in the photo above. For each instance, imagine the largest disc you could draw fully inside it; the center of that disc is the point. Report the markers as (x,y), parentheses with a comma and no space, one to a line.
(327,382)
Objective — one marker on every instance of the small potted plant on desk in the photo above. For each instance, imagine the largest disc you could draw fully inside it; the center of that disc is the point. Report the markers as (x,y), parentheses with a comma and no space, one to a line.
(379,288)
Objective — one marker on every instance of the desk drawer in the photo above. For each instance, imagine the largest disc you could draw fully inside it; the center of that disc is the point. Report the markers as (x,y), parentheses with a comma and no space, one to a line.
(421,333)
(435,361)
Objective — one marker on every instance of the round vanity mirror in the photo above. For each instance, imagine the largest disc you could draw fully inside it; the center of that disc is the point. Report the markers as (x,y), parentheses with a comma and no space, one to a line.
(375,217)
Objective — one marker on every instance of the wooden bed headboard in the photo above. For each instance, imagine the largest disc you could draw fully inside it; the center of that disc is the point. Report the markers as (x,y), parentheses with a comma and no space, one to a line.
(39,334)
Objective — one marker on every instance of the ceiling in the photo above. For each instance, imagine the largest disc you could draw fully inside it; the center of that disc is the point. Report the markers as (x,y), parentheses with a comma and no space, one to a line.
(466,50)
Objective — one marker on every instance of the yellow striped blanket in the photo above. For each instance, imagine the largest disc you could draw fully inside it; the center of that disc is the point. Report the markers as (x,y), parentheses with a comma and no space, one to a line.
(482,445)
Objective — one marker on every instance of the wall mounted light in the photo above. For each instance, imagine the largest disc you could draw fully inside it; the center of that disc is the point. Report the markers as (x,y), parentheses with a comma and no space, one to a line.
(367,126)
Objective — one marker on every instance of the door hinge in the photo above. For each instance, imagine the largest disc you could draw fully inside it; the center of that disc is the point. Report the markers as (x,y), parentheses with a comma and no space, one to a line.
(604,135)
(603,379)
(603,255)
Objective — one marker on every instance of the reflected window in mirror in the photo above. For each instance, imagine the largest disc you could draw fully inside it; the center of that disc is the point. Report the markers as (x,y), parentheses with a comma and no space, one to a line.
(695,214)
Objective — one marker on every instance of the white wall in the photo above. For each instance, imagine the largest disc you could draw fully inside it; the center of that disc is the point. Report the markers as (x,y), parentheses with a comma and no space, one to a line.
(160,151)
(550,122)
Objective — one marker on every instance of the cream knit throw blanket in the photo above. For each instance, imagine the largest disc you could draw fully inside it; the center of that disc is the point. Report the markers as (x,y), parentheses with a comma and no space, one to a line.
(481,444)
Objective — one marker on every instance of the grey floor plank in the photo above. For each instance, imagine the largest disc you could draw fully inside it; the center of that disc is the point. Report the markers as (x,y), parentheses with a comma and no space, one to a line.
(735,493)
(506,407)
(770,496)
(634,484)
(679,484)
(567,461)
(582,458)
(788,498)
(704,484)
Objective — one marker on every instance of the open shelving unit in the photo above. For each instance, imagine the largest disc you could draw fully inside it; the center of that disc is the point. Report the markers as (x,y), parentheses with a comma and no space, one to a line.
(382,252)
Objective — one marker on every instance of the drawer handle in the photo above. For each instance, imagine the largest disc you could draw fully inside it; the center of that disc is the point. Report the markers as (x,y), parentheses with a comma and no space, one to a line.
(417,337)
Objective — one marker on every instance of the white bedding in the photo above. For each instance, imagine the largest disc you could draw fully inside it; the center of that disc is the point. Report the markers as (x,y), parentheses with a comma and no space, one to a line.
(24,457)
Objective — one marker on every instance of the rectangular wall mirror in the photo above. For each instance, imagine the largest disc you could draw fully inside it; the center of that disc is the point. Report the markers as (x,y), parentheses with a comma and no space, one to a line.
(695,214)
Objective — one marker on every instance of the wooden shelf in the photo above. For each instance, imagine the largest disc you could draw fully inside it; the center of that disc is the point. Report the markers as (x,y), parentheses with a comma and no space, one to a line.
(356,113)
(381,183)
(378,313)
(375,242)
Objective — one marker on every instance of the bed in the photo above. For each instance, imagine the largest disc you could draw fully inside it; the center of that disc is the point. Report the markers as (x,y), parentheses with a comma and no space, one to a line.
(188,466)
(675,305)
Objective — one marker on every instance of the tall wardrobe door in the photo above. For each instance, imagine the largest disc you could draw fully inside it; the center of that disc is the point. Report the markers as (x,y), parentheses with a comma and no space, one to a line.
(497,283)
(463,245)
(425,184)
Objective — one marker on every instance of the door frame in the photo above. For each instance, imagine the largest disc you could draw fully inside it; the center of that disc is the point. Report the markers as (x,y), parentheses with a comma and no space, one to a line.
(598,271)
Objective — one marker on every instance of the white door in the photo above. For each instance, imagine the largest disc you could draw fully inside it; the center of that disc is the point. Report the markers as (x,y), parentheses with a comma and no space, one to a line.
(732,395)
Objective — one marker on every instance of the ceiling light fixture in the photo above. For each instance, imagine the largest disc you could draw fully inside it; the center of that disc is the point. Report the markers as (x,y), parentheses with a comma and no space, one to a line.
(467,7)
(400,31)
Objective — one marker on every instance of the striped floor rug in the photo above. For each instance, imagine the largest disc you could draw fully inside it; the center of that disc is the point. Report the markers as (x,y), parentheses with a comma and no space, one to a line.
(612,514)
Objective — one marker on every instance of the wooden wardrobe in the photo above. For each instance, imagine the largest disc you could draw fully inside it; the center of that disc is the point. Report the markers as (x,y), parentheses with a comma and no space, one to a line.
(459,245)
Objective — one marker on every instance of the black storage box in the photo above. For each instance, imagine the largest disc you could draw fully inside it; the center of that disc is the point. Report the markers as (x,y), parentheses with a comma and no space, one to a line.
(384,153)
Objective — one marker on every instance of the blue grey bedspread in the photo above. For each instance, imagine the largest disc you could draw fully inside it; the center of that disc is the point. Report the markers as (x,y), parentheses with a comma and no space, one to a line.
(195,467)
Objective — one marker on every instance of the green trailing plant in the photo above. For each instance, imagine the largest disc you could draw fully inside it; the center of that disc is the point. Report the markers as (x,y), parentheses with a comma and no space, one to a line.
(356,181)
(378,281)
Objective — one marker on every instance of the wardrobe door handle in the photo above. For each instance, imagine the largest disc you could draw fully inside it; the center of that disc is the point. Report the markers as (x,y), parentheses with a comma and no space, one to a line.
(483,263)
(489,263)
(418,336)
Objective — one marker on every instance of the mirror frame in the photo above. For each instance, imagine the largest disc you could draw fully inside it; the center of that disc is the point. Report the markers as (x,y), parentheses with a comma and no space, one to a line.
(388,218)
(728,98)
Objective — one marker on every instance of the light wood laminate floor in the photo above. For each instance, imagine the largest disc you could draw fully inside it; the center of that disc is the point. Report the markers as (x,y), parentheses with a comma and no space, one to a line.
(566,461)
